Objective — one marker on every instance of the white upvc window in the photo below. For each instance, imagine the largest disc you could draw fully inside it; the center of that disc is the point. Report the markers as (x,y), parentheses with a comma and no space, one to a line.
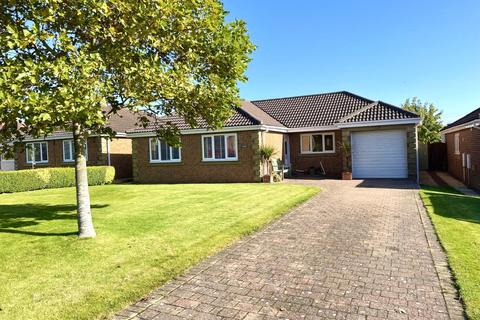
(162,152)
(37,152)
(317,143)
(69,151)
(457,143)
(220,147)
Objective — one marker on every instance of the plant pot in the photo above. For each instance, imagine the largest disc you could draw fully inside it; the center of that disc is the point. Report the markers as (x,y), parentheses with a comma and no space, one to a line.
(346,176)
(266,178)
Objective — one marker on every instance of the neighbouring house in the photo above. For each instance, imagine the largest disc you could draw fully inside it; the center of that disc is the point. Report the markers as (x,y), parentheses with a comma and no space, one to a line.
(463,148)
(57,149)
(306,131)
(6,164)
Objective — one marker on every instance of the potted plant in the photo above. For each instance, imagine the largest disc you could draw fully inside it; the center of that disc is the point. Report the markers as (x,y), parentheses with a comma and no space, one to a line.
(266,153)
(346,147)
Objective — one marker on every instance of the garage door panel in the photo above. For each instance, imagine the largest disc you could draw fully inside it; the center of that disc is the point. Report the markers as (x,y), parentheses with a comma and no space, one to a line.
(379,154)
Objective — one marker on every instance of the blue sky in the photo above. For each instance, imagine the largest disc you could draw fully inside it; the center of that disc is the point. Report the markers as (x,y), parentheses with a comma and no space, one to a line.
(383,50)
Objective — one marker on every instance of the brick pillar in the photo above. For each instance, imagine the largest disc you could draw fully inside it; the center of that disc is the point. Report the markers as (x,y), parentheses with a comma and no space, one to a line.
(346,138)
(135,159)
(412,145)
(256,160)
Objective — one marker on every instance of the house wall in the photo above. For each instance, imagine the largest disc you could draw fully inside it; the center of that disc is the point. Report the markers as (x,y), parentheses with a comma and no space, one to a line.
(55,155)
(192,169)
(332,162)
(469,144)
(410,131)
(121,157)
(275,140)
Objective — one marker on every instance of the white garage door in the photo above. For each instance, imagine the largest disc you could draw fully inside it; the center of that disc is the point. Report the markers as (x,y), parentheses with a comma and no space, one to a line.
(379,154)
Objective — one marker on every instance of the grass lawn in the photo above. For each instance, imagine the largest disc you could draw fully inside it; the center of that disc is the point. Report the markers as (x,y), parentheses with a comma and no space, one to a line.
(457,220)
(146,234)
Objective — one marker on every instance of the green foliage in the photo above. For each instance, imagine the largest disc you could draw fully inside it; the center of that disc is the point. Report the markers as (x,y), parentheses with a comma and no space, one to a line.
(429,130)
(47,178)
(62,62)
(267,152)
(456,218)
(346,147)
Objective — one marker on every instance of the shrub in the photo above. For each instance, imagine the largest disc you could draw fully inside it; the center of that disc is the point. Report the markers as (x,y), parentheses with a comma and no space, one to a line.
(48,178)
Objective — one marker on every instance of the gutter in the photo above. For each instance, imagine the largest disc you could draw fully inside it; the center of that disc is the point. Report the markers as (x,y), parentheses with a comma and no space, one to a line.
(466,125)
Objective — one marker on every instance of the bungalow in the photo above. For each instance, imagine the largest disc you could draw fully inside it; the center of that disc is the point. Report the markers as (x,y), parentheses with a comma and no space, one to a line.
(56,150)
(306,131)
(463,148)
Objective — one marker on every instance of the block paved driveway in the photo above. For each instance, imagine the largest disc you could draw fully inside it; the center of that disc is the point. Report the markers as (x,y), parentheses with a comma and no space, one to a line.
(357,250)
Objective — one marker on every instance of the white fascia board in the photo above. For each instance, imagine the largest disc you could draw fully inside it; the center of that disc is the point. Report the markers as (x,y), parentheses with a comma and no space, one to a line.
(415,121)
(467,125)
(67,136)
(310,129)
(222,130)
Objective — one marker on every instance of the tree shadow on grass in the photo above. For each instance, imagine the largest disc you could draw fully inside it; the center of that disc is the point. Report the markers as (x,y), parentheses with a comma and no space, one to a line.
(447,202)
(16,216)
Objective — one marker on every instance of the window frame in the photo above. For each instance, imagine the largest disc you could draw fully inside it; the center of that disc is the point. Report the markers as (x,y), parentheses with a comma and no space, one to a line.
(28,150)
(170,151)
(225,138)
(323,134)
(72,154)
(456,143)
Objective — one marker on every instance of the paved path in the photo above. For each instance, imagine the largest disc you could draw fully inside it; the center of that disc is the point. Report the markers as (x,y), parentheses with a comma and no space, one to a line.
(358,250)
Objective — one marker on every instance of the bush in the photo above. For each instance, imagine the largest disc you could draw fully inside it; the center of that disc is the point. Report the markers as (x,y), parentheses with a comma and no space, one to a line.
(48,178)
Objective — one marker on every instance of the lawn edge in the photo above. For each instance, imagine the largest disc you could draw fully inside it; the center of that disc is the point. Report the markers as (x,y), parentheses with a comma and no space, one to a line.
(135,307)
(455,304)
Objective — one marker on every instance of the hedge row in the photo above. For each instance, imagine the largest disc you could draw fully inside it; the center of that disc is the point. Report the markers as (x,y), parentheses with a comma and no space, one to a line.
(47,178)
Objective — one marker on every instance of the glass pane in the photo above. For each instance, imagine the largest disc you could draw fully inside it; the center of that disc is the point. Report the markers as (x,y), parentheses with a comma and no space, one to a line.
(207,147)
(66,150)
(317,143)
(329,142)
(28,150)
(176,153)
(219,147)
(231,146)
(44,151)
(306,143)
(154,149)
(164,151)
(36,152)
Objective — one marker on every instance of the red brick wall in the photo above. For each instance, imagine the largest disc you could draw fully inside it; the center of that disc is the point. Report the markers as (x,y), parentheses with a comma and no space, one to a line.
(192,169)
(469,144)
(332,162)
(55,155)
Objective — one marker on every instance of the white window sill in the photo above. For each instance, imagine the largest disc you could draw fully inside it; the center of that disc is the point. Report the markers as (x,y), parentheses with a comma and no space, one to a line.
(318,152)
(219,160)
(160,162)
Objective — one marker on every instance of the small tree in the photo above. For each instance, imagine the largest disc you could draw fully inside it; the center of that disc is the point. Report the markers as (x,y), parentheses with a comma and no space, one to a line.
(64,62)
(266,153)
(346,148)
(429,130)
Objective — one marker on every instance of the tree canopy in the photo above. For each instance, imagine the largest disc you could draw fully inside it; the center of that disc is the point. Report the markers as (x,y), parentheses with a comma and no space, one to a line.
(429,130)
(62,62)
(68,65)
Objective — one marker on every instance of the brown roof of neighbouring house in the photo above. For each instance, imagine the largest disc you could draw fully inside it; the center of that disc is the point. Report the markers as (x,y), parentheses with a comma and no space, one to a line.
(327,109)
(474,115)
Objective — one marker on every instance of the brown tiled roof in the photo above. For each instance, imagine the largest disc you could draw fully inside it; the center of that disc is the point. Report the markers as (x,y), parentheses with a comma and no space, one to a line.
(326,109)
(239,118)
(474,115)
(259,114)
(378,111)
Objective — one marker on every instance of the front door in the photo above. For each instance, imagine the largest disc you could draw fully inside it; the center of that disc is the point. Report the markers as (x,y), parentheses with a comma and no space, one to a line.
(286,150)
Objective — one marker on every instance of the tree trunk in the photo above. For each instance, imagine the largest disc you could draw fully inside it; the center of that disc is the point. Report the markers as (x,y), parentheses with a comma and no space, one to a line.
(84,214)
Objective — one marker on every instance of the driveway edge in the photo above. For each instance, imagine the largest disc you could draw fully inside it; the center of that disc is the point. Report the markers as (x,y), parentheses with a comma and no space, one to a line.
(449,290)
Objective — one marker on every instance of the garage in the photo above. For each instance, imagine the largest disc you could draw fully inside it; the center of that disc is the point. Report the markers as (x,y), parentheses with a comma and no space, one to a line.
(379,154)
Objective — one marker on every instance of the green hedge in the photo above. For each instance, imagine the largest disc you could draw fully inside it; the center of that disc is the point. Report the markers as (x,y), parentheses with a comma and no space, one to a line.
(48,178)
